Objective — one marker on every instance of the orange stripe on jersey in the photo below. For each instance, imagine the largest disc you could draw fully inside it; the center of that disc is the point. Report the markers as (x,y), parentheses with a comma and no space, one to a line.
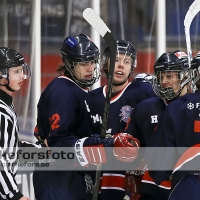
(197,126)
(147,178)
(117,95)
(187,156)
(116,181)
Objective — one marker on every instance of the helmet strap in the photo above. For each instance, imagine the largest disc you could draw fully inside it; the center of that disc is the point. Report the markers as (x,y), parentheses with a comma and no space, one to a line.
(7,85)
(9,88)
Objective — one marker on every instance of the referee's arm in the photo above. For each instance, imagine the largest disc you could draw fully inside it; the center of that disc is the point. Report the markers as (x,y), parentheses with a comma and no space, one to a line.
(9,138)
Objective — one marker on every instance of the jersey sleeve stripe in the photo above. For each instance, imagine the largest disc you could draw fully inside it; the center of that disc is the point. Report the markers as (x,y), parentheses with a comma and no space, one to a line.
(148,179)
(187,157)
(113,181)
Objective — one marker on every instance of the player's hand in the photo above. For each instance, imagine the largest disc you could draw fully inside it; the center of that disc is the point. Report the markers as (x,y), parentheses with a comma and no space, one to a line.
(24,198)
(91,150)
(42,143)
(125,147)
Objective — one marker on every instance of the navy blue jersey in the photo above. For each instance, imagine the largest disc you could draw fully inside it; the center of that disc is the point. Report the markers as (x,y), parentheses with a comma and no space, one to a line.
(63,113)
(179,127)
(121,106)
(63,117)
(144,120)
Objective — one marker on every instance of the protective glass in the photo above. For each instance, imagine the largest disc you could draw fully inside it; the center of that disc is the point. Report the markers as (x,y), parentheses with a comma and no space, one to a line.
(21,70)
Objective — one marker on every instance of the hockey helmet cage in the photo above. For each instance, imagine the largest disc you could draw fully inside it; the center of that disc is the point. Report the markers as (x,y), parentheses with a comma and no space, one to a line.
(123,47)
(169,62)
(80,49)
(195,70)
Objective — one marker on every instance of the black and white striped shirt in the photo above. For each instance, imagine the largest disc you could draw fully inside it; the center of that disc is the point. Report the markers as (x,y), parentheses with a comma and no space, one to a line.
(8,149)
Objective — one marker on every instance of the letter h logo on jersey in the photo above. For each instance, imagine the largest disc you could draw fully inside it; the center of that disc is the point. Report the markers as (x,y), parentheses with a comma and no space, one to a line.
(154,119)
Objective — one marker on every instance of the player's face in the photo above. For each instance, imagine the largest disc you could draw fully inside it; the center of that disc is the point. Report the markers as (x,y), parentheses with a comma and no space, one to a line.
(122,68)
(170,79)
(84,70)
(16,77)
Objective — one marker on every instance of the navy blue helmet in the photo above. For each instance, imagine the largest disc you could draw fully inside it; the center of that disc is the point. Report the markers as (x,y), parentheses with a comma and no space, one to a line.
(80,49)
(171,62)
(123,47)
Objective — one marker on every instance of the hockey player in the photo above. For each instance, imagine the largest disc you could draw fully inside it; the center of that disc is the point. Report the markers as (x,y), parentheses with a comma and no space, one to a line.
(125,95)
(64,111)
(180,131)
(13,71)
(170,82)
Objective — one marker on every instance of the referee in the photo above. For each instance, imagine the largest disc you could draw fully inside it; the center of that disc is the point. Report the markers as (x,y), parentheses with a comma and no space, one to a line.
(13,71)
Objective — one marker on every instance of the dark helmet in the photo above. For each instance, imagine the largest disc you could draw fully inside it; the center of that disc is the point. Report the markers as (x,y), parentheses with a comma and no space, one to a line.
(123,47)
(195,70)
(176,61)
(144,78)
(80,49)
(10,58)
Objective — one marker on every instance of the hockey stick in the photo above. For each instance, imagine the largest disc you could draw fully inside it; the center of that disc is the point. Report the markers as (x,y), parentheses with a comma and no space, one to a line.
(191,13)
(97,23)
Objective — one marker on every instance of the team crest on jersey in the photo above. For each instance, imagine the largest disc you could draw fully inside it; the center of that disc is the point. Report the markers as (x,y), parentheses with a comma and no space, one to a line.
(125,113)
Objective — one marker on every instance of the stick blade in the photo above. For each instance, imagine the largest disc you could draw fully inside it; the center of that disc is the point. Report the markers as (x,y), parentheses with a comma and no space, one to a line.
(95,21)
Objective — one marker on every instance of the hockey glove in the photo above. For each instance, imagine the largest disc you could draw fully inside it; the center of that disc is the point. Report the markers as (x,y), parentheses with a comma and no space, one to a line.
(125,147)
(91,150)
